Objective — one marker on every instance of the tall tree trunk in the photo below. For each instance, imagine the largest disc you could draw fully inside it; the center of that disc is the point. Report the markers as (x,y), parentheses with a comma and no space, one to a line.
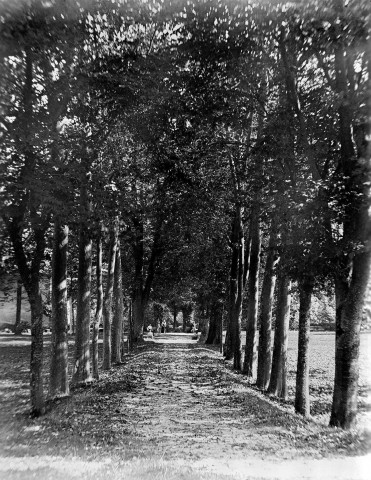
(107,304)
(234,311)
(82,353)
(187,311)
(236,291)
(277,385)
(253,291)
(17,325)
(30,276)
(118,309)
(216,317)
(15,223)
(142,284)
(99,310)
(138,316)
(265,317)
(58,380)
(351,281)
(130,327)
(302,404)
(138,299)
(37,351)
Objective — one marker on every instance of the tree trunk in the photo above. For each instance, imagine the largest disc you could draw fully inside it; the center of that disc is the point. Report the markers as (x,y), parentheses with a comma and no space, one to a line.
(302,404)
(58,380)
(351,281)
(17,325)
(37,353)
(187,311)
(118,307)
(138,317)
(99,310)
(236,291)
(253,291)
(138,297)
(265,317)
(107,304)
(277,385)
(30,277)
(130,328)
(216,317)
(82,354)
(175,313)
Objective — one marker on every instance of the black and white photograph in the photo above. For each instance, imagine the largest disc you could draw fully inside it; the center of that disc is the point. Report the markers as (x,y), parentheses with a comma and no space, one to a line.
(185,239)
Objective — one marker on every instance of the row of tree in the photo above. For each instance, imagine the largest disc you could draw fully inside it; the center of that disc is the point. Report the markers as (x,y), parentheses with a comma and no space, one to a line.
(208,144)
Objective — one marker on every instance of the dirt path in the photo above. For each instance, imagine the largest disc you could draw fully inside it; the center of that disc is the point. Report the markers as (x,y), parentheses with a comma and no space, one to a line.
(174,410)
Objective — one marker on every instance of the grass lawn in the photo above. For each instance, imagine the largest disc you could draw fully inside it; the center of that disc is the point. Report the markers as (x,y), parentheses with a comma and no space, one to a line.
(322,372)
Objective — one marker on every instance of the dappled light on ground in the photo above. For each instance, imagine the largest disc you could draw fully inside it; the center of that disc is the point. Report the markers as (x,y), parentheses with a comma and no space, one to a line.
(172,410)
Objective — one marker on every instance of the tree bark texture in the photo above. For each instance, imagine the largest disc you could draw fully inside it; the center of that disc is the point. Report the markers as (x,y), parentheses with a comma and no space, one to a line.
(107,304)
(277,385)
(142,282)
(30,276)
(37,353)
(99,310)
(252,292)
(15,223)
(187,311)
(302,403)
(216,317)
(352,274)
(236,290)
(82,353)
(58,380)
(138,299)
(118,309)
(265,317)
(17,325)
(175,314)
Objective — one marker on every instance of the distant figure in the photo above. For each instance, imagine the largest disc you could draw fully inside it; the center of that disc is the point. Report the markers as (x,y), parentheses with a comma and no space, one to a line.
(150,331)
(163,327)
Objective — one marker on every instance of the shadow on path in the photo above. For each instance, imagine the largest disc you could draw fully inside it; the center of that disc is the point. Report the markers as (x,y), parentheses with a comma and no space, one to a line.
(173,410)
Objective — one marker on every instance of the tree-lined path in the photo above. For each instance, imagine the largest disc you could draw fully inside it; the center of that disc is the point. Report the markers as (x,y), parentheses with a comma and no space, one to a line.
(174,409)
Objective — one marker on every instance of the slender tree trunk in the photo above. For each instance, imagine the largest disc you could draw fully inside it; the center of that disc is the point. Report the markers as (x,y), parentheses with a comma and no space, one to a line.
(187,311)
(229,345)
(138,293)
(58,380)
(37,352)
(203,322)
(221,331)
(138,316)
(277,385)
(253,291)
(99,310)
(265,317)
(302,404)
(17,325)
(216,316)
(82,353)
(118,308)
(236,291)
(237,357)
(107,304)
(130,328)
